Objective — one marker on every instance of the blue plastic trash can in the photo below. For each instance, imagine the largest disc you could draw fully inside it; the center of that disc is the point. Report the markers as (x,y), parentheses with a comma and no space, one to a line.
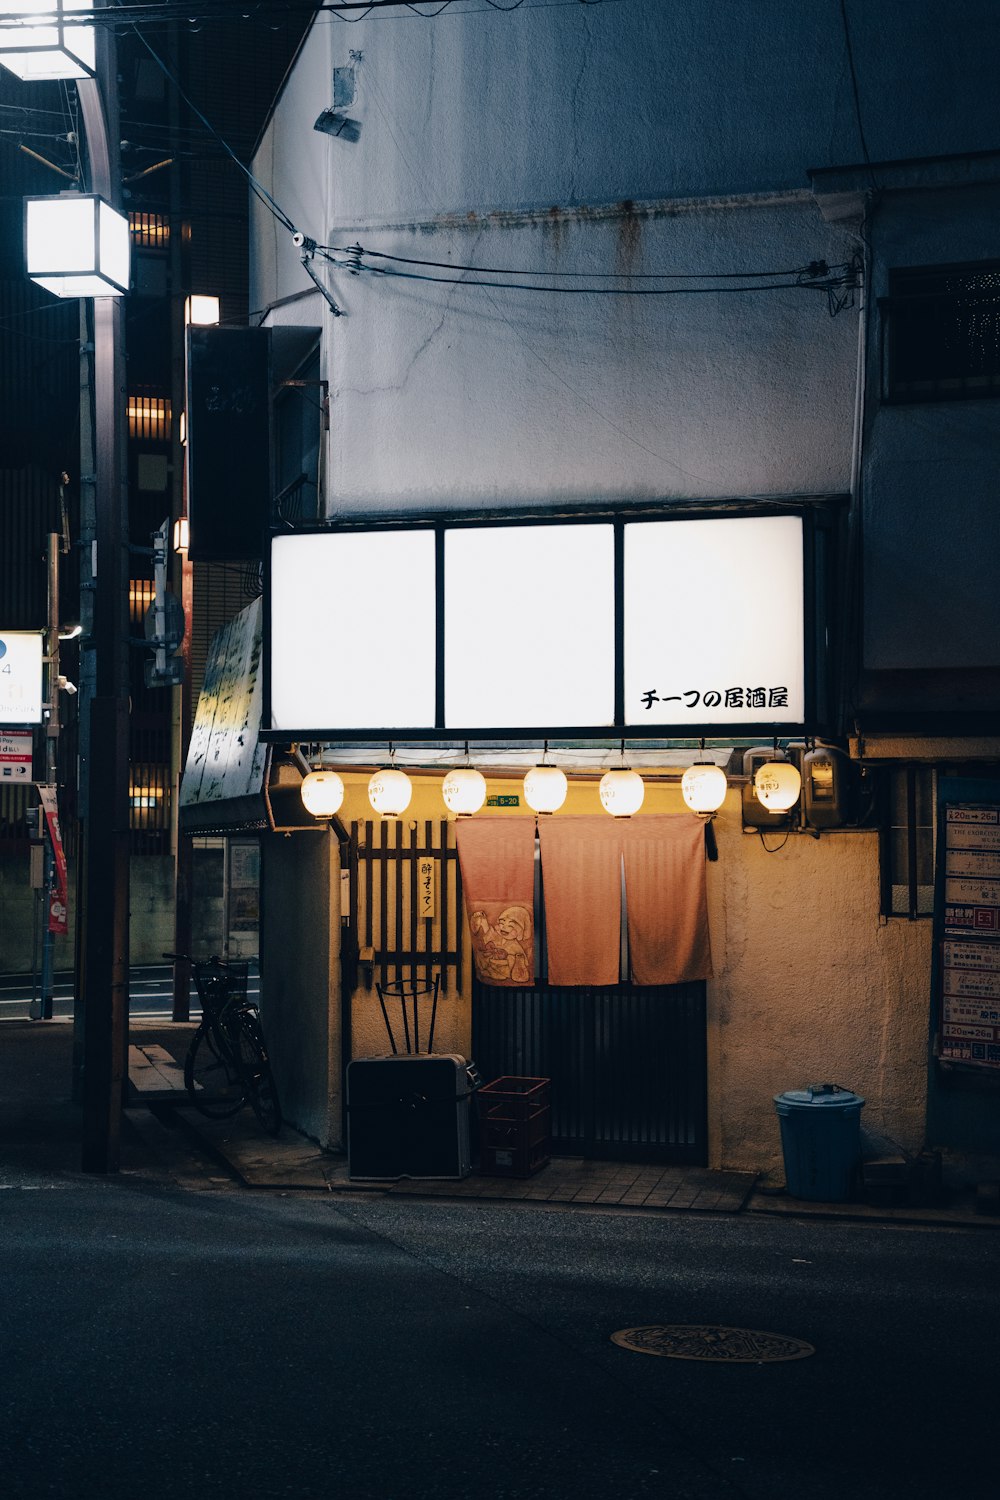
(820,1140)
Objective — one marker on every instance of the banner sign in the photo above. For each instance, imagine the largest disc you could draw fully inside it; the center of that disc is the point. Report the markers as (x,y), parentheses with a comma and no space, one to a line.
(60,894)
(585,627)
(20,677)
(970,944)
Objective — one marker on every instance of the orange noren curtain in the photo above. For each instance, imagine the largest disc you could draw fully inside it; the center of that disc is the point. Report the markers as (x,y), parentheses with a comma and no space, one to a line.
(581,880)
(665,898)
(497,856)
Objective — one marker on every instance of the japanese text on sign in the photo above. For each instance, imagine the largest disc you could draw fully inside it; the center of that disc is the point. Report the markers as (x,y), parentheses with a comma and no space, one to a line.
(731,697)
(970,953)
(427,888)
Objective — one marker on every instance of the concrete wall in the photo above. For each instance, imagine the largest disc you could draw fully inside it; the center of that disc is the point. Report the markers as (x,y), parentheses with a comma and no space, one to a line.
(151,906)
(602,139)
(929,480)
(300,978)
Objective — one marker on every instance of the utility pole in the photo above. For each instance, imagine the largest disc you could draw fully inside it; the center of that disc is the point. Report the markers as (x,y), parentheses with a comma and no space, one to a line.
(103,913)
(51,731)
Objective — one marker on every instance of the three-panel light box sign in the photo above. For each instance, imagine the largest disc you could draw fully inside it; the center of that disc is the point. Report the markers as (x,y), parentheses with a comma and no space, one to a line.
(581,628)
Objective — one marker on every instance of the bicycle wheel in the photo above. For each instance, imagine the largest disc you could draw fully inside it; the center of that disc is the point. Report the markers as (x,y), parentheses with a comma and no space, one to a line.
(257,1076)
(211,1077)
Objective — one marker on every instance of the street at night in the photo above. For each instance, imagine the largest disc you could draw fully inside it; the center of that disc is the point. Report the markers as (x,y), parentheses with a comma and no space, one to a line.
(166,1342)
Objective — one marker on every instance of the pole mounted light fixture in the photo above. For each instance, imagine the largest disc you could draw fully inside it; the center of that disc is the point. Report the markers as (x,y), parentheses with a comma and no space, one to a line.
(39,39)
(50,39)
(76,245)
(201,310)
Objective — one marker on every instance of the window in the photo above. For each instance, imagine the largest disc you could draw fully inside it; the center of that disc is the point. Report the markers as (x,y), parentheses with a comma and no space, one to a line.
(907,843)
(149,417)
(941,326)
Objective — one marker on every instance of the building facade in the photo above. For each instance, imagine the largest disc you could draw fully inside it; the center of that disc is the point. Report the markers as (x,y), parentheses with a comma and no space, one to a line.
(635,261)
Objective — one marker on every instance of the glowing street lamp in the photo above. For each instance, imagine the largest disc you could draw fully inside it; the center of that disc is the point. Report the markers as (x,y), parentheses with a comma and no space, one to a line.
(76,245)
(53,46)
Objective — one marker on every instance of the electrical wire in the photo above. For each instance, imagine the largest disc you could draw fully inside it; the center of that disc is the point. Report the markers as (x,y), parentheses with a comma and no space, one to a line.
(856,92)
(600,291)
(223,10)
(448,265)
(256,187)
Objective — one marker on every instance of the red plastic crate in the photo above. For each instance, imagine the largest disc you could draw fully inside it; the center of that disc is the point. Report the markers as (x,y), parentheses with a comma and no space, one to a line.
(514,1127)
(520,1096)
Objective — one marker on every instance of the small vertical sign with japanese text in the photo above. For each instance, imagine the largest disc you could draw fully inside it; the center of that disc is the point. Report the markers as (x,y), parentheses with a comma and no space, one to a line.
(970,946)
(426,888)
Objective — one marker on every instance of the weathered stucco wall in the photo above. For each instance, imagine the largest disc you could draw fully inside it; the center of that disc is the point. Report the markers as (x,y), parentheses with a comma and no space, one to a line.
(300,978)
(811,984)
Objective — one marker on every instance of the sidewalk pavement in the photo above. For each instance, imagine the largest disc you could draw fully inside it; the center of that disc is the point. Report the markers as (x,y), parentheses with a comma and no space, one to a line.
(163,1138)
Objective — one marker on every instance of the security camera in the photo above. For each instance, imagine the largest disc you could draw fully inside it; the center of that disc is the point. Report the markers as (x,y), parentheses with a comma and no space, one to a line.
(66,685)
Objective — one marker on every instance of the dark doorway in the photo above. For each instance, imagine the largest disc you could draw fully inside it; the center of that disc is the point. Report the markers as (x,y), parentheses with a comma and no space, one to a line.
(627,1064)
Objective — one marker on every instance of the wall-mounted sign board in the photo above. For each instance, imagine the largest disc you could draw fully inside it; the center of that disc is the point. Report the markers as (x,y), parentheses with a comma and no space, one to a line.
(580,627)
(967,919)
(20,677)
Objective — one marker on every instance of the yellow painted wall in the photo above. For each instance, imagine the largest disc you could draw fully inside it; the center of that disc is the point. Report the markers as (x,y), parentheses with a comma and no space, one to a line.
(811,985)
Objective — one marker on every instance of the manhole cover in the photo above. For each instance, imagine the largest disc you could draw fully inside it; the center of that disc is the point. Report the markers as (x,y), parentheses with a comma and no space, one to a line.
(709,1341)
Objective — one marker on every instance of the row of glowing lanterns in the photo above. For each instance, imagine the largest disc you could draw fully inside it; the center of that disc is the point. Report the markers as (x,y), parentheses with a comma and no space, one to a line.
(777,784)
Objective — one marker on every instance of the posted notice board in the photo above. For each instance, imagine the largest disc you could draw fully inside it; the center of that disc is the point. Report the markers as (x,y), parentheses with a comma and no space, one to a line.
(968,922)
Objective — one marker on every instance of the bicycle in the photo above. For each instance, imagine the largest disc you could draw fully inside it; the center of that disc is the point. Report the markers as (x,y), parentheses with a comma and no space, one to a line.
(227,1065)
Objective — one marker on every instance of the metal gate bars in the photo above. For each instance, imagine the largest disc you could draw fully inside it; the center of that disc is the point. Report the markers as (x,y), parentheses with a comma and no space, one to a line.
(627,1064)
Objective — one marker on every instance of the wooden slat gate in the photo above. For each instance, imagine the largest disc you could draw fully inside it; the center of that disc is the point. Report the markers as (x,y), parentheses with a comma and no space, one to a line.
(627,1064)
(388,862)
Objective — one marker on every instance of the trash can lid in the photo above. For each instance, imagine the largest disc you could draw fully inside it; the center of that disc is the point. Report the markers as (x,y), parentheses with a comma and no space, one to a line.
(822,1094)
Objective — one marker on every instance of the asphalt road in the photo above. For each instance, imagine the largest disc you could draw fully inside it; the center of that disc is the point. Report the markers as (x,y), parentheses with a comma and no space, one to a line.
(168,1343)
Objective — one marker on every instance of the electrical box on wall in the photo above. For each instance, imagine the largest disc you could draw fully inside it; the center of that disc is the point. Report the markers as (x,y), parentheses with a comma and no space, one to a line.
(829,788)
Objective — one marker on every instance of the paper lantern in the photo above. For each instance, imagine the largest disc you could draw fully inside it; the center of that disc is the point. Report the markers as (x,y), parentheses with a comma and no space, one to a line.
(322,793)
(622,793)
(389,792)
(703,787)
(545,789)
(464,791)
(777,784)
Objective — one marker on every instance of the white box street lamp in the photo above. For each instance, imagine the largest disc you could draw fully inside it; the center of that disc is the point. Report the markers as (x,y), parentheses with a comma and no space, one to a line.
(76,245)
(51,46)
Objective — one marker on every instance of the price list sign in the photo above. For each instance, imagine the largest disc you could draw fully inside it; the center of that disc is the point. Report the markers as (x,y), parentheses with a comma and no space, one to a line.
(970,968)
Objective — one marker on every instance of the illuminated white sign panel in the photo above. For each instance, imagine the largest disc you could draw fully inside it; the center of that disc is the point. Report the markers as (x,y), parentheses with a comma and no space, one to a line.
(714,621)
(352,630)
(712,614)
(20,677)
(529,626)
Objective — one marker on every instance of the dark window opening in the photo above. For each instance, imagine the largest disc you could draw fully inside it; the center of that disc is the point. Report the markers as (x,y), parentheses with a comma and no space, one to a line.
(941,333)
(299,413)
(907,843)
